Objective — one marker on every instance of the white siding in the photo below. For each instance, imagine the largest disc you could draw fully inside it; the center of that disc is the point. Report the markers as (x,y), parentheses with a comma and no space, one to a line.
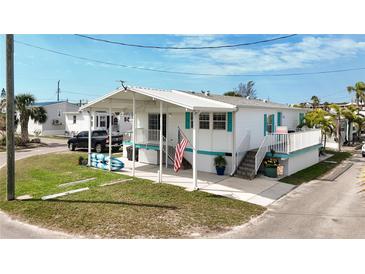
(303,160)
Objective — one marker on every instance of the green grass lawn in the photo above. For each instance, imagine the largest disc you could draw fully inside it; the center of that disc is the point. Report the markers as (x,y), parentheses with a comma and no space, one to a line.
(316,170)
(137,208)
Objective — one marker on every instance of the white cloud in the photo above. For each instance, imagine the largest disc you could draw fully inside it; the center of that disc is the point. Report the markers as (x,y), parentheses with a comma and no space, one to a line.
(269,58)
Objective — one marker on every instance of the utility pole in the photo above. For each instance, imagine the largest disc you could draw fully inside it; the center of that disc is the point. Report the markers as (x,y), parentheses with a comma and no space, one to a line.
(10,151)
(58,91)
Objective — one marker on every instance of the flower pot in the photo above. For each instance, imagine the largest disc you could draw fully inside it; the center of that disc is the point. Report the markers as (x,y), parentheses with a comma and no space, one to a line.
(220,170)
(271,172)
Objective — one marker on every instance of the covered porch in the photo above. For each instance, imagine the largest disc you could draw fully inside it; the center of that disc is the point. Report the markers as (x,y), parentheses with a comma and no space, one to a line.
(156,117)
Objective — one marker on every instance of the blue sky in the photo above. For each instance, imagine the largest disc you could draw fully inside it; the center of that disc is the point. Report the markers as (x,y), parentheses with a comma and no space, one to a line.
(38,71)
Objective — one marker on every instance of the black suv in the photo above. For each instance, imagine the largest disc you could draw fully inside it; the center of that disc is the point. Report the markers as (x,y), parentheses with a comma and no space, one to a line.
(99,141)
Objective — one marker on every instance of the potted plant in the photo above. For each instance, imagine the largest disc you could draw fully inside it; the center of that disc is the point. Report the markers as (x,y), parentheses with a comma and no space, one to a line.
(220,164)
(271,165)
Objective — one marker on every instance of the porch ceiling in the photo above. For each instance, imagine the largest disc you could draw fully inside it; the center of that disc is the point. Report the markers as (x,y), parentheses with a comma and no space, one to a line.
(121,98)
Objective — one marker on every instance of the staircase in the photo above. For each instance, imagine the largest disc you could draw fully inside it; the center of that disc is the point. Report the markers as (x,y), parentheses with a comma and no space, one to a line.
(246,168)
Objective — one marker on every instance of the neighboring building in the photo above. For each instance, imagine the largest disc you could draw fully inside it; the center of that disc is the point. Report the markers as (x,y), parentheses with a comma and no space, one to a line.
(77,121)
(222,125)
(55,124)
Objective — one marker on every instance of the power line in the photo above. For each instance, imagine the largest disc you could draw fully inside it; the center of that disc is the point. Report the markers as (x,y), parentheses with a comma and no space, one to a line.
(189,73)
(185,48)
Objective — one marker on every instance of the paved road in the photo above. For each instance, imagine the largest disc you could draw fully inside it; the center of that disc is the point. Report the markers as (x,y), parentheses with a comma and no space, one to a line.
(318,209)
(12,229)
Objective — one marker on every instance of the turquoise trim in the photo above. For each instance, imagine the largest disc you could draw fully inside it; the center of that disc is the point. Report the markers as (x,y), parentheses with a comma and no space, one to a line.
(206,152)
(229,121)
(188,149)
(294,153)
(273,122)
(265,124)
(279,119)
(187,120)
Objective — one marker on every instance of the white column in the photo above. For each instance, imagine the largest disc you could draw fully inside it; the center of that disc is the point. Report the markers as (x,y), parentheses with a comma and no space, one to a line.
(234,155)
(134,136)
(161,143)
(110,139)
(195,150)
(89,141)
(167,140)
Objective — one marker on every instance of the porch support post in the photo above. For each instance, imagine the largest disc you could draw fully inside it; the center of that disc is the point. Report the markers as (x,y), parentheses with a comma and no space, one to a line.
(234,152)
(195,149)
(110,138)
(89,140)
(167,141)
(134,136)
(161,143)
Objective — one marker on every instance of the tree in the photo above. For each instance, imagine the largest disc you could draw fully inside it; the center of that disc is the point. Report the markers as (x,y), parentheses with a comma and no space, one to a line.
(336,117)
(315,101)
(24,105)
(350,114)
(359,90)
(246,90)
(3,99)
(359,122)
(320,118)
(232,93)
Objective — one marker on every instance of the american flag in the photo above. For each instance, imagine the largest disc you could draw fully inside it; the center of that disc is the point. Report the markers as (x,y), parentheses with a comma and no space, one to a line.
(179,153)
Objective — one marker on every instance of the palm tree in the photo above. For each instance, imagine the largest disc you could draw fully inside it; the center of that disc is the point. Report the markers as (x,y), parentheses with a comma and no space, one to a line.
(360,122)
(350,114)
(315,101)
(319,118)
(24,105)
(359,90)
(336,117)
(246,90)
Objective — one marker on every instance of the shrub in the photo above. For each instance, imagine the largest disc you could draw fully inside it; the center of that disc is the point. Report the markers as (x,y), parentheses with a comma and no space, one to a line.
(220,161)
(36,140)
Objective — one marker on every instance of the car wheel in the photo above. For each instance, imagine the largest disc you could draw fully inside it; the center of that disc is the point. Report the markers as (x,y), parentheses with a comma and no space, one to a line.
(98,148)
(71,146)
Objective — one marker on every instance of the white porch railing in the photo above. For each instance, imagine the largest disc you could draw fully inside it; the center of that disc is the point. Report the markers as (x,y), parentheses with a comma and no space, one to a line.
(286,143)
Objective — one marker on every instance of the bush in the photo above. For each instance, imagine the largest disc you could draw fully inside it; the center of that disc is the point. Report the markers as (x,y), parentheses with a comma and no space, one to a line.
(2,139)
(19,141)
(82,161)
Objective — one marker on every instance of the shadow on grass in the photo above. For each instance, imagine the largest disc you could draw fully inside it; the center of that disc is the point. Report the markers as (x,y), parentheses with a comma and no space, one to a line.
(103,202)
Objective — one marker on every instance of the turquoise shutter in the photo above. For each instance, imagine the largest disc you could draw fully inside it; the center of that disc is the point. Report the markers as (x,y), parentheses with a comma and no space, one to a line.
(301,118)
(187,120)
(229,121)
(273,123)
(279,119)
(265,124)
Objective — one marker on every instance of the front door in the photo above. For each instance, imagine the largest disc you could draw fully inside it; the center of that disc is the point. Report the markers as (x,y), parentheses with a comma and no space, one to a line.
(154,126)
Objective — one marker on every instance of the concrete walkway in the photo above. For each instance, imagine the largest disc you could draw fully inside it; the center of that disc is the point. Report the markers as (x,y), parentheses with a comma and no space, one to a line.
(261,191)
(318,209)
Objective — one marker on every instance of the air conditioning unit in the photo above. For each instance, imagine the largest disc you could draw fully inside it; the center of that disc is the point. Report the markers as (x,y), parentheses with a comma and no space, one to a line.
(56,122)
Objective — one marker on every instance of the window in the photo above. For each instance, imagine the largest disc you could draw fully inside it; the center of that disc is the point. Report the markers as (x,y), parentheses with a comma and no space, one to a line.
(99,133)
(102,121)
(219,120)
(115,121)
(74,119)
(126,118)
(204,120)
(191,119)
(83,134)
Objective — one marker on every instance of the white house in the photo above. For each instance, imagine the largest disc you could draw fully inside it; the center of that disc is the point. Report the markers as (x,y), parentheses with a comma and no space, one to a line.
(55,124)
(242,130)
(77,121)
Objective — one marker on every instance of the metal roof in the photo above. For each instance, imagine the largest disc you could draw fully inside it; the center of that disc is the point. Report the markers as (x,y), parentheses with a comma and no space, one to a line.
(243,102)
(175,97)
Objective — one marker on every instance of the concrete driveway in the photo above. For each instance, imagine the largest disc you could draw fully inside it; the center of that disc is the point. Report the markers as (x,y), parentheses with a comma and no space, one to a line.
(13,229)
(318,209)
